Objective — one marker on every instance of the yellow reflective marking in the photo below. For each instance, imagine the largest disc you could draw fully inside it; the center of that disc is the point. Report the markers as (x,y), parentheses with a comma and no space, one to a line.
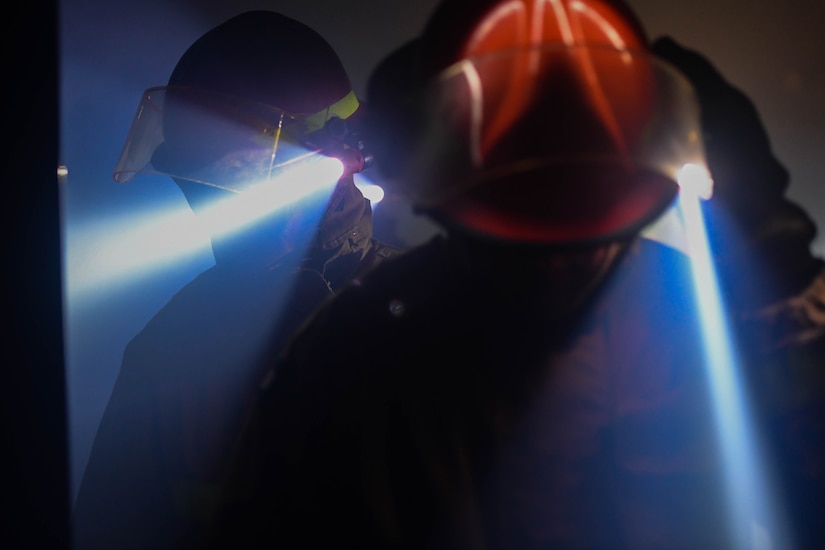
(343,108)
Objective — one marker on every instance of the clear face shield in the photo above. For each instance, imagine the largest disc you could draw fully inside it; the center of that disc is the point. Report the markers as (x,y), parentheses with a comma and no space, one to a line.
(244,167)
(556,143)
(226,141)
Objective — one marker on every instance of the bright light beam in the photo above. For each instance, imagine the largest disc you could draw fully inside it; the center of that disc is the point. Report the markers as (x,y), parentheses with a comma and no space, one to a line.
(756,525)
(286,189)
(110,254)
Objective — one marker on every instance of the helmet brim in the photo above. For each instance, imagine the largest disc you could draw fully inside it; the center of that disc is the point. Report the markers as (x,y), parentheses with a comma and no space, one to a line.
(589,150)
(585,205)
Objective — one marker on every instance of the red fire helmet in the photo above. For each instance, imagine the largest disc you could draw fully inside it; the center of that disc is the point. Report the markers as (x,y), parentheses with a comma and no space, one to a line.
(545,121)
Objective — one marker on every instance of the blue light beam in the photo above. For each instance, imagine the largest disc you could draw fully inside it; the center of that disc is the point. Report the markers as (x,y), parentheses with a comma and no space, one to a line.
(755,520)
(110,254)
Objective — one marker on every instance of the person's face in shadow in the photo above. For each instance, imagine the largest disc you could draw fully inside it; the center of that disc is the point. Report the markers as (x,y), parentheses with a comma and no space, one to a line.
(548,281)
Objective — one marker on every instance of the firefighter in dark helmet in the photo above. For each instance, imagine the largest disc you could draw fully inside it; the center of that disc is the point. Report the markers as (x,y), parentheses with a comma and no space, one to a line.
(258,117)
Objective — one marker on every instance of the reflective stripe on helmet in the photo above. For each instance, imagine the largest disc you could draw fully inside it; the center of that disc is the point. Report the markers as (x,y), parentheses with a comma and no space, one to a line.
(343,108)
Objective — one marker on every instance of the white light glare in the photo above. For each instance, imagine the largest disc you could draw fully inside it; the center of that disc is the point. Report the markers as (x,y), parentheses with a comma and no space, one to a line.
(371,191)
(695,180)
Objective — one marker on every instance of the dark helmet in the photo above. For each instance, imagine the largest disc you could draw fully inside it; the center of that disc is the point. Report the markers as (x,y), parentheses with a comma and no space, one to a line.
(253,94)
(532,121)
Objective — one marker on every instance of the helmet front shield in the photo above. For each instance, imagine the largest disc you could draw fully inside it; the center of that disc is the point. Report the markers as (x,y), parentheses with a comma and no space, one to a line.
(219,140)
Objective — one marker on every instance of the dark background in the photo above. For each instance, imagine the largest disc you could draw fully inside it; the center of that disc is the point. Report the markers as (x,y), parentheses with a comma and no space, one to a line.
(35,492)
(83,83)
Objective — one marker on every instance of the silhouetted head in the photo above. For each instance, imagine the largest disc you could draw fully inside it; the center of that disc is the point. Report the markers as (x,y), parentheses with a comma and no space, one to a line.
(260,103)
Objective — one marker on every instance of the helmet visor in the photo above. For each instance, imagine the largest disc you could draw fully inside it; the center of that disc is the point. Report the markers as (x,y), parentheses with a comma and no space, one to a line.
(555,143)
(216,139)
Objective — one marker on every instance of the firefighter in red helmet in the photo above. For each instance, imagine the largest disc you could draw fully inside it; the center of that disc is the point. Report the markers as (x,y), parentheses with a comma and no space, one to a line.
(536,377)
(258,118)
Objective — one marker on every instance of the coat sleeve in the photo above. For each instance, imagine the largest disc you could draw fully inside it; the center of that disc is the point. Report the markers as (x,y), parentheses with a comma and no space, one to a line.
(298,458)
